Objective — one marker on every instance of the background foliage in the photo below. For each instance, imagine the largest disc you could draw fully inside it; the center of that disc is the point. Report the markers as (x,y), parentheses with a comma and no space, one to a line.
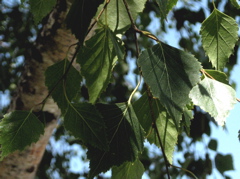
(109,85)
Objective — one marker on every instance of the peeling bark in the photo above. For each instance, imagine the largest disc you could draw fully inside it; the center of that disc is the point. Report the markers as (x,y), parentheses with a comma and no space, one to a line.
(51,46)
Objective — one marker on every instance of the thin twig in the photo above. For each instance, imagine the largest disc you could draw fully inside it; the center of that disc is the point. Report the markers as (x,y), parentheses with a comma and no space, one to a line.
(204,72)
(75,54)
(98,17)
(154,125)
(148,34)
(184,170)
(63,76)
(137,48)
(133,26)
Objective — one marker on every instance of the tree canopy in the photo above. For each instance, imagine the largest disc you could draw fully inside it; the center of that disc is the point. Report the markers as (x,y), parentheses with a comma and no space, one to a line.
(178,92)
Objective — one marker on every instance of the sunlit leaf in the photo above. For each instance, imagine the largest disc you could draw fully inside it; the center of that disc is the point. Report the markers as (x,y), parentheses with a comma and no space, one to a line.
(215,98)
(19,129)
(149,111)
(165,6)
(235,3)
(128,170)
(117,16)
(171,74)
(80,15)
(223,163)
(125,135)
(219,35)
(41,8)
(219,76)
(167,132)
(85,123)
(97,59)
(70,84)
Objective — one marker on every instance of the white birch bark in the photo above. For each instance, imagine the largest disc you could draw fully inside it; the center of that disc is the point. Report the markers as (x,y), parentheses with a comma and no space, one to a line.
(51,46)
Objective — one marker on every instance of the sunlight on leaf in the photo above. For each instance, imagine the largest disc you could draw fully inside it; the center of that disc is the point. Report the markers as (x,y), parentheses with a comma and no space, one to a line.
(166,127)
(128,170)
(85,123)
(167,132)
(97,59)
(214,97)
(125,135)
(171,74)
(219,35)
(218,75)
(71,84)
(165,6)
(235,3)
(117,16)
(19,129)
(41,8)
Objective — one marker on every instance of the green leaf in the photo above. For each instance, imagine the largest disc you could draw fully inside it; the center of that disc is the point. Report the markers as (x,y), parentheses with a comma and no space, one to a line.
(142,110)
(235,3)
(224,163)
(212,144)
(97,59)
(80,15)
(167,131)
(128,170)
(170,74)
(117,48)
(187,117)
(70,84)
(219,76)
(219,35)
(165,6)
(117,16)
(149,111)
(41,8)
(85,123)
(19,129)
(239,135)
(125,135)
(215,98)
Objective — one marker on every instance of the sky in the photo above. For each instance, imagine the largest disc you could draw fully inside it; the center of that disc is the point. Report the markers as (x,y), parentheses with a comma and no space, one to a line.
(228,142)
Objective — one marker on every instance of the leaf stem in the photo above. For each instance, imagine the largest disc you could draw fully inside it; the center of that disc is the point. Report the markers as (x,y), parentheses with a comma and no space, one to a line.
(64,75)
(98,17)
(154,126)
(207,74)
(184,170)
(75,54)
(134,91)
(148,34)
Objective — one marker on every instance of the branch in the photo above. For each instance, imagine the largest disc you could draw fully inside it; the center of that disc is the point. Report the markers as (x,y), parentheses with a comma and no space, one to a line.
(191,173)
(156,129)
(75,53)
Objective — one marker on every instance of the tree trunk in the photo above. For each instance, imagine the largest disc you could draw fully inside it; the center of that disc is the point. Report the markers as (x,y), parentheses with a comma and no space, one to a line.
(51,46)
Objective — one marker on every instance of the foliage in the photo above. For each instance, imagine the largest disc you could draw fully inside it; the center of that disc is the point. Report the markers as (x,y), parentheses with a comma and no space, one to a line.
(41,8)
(219,36)
(176,86)
(18,130)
